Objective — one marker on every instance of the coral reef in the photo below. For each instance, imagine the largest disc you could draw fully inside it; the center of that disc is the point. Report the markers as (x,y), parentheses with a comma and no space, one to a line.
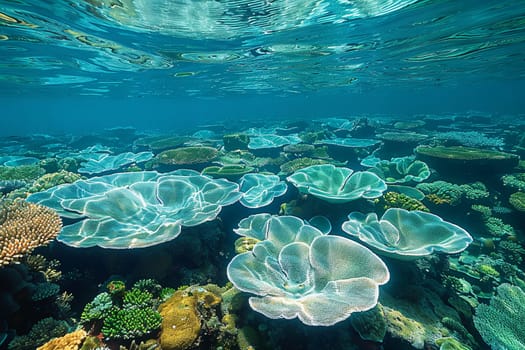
(70,341)
(24,227)
(502,323)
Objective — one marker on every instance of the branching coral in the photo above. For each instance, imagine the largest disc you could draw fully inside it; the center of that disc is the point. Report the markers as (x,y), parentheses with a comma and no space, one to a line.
(24,227)
(502,323)
(126,315)
(70,341)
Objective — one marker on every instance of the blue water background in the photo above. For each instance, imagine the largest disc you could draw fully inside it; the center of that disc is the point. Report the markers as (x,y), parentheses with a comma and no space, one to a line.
(80,66)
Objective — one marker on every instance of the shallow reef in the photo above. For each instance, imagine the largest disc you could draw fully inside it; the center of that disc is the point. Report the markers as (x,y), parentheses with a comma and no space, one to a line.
(334,233)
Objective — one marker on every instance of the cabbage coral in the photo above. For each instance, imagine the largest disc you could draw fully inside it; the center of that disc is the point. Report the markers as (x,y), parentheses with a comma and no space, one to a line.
(140,209)
(337,184)
(297,271)
(406,235)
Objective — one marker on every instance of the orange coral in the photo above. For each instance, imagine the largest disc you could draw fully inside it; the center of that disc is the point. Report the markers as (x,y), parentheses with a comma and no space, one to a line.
(23,227)
(70,341)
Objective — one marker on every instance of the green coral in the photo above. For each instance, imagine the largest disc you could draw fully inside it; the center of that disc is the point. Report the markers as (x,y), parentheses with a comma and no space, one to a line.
(496,227)
(370,324)
(236,141)
(502,322)
(485,211)
(512,252)
(22,172)
(40,333)
(45,290)
(130,323)
(442,189)
(400,200)
(116,287)
(299,163)
(149,285)
(137,298)
(187,155)
(515,181)
(166,293)
(475,191)
(231,172)
(453,194)
(488,270)
(47,181)
(449,343)
(97,309)
(125,314)
(517,200)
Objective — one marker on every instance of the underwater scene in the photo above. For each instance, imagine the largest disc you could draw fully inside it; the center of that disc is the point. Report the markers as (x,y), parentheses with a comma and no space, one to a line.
(262,175)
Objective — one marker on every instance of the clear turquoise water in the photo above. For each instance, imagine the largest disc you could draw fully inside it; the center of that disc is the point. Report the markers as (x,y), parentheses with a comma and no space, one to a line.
(111,62)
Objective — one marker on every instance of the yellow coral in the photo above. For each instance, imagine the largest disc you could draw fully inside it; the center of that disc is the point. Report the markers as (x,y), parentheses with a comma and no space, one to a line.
(181,324)
(400,200)
(181,316)
(24,227)
(439,200)
(245,244)
(70,341)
